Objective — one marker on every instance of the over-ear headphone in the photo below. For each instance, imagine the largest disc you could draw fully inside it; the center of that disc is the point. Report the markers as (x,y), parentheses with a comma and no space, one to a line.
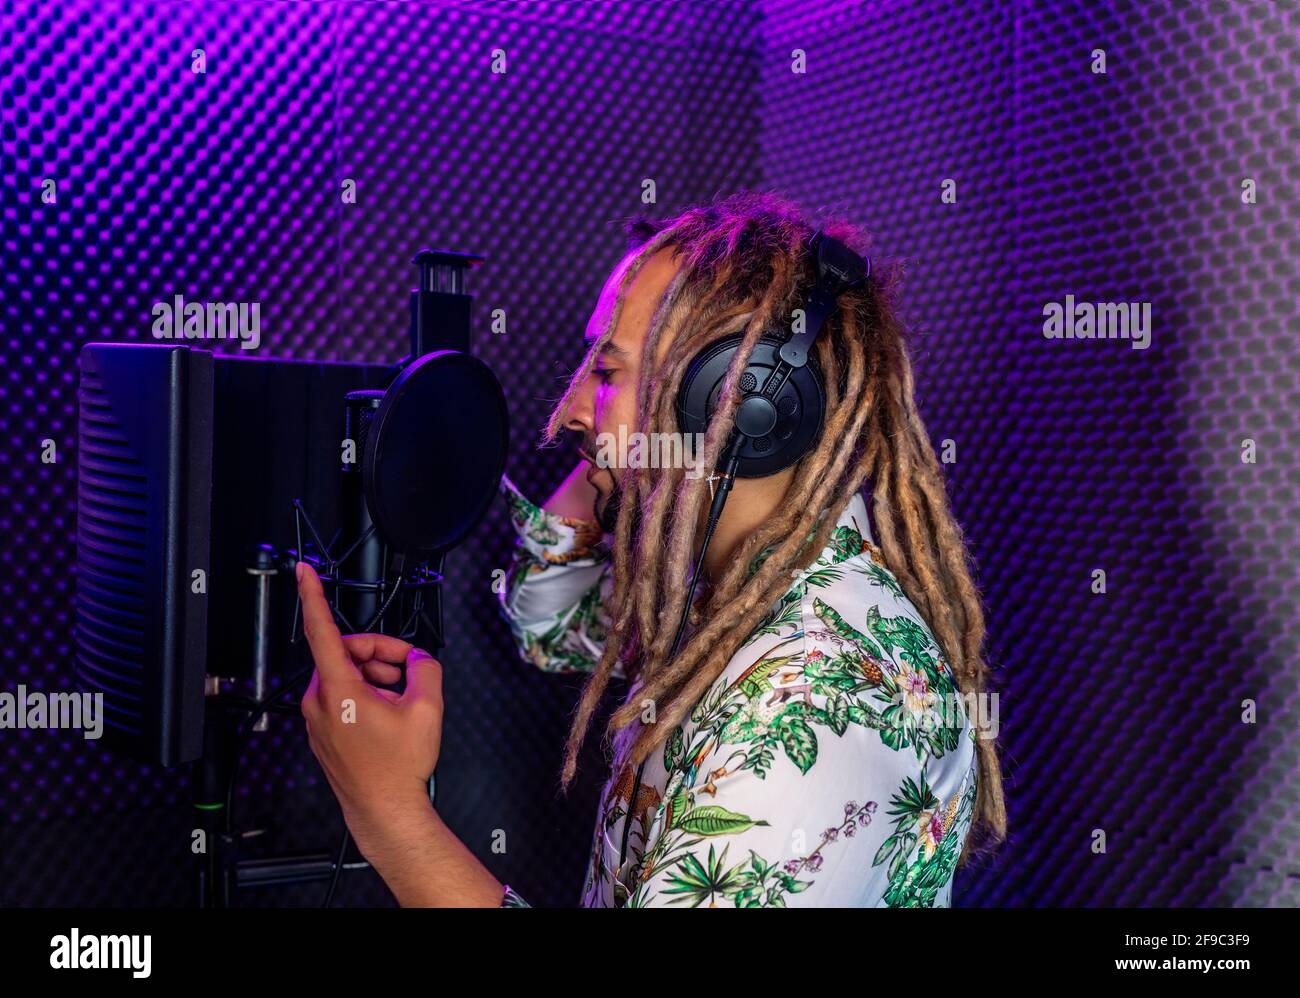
(780,412)
(783,397)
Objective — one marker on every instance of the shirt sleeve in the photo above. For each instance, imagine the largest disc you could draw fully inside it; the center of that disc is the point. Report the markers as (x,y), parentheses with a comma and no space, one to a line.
(557,587)
(793,784)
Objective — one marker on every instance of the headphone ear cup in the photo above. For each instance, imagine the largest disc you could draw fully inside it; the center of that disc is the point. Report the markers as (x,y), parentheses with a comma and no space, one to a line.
(800,404)
(697,397)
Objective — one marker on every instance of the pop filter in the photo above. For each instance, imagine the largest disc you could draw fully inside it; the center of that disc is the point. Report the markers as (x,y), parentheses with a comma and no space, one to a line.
(434,453)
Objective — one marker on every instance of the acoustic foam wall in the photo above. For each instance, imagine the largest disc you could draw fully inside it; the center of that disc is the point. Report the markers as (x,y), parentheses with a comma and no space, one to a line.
(1119,712)
(226,186)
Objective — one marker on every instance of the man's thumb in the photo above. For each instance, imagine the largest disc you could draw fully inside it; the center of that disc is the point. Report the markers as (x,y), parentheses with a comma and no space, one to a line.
(423,676)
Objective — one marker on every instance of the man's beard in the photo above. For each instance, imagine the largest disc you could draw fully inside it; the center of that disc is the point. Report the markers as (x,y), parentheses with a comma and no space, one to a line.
(607,515)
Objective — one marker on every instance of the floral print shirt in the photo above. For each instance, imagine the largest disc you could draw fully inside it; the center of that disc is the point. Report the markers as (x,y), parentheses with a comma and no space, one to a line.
(831,764)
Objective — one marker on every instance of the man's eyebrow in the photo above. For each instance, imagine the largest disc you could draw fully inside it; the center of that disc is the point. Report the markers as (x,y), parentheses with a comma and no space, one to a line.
(614,350)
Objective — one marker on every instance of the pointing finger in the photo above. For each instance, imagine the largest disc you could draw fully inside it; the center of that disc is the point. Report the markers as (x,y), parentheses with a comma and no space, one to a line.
(327,648)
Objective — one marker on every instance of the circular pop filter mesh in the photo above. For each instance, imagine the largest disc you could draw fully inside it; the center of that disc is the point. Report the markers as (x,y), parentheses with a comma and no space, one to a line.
(435,452)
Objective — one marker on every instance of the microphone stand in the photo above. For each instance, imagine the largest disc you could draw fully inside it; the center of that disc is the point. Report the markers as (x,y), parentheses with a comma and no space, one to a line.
(360,589)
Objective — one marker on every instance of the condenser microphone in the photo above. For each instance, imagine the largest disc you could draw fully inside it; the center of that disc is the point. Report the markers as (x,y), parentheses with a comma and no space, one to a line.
(365,556)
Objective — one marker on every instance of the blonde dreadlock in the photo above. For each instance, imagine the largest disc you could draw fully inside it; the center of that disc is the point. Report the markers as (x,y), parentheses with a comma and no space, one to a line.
(744,260)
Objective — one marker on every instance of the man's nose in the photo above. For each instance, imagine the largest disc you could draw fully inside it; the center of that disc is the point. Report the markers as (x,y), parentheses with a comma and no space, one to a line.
(581,417)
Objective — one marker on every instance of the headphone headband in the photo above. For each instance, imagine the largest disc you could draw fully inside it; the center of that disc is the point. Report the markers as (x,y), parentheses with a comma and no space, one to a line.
(838,270)
(837,265)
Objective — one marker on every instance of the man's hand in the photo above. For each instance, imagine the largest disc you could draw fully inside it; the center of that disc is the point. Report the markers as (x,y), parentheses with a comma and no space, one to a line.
(378,750)
(377,747)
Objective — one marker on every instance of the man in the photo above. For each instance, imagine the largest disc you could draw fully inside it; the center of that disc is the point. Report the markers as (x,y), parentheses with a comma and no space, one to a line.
(808,743)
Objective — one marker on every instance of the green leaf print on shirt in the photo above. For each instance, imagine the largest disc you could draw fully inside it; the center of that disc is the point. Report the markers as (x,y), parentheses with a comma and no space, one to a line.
(754,882)
(530,519)
(888,677)
(556,650)
(788,609)
(921,853)
(848,542)
(827,615)
(757,758)
(770,707)
(926,844)
(916,693)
